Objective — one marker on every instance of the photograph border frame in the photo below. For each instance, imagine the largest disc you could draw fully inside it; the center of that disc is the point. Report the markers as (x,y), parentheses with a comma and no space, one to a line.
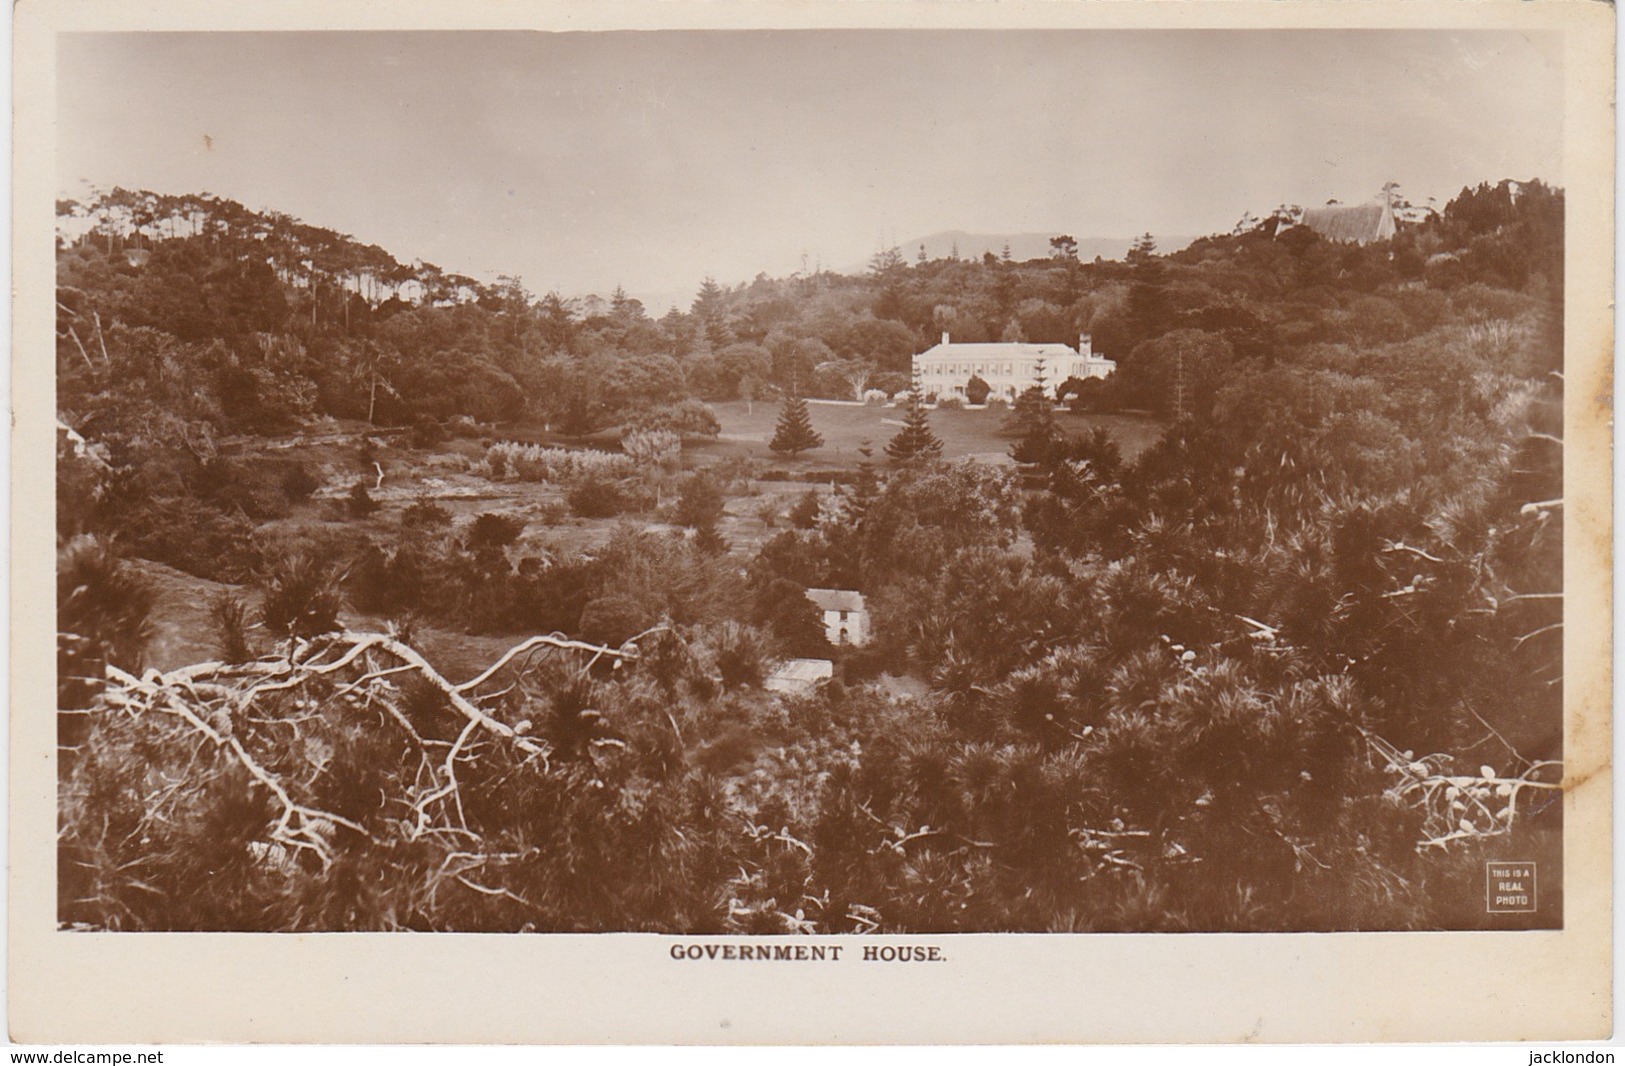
(990,988)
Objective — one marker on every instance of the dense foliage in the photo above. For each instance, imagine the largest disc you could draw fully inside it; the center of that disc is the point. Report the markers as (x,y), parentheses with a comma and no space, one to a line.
(1296,666)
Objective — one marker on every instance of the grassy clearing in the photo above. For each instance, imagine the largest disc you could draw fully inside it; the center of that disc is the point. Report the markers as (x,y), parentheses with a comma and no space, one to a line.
(746,429)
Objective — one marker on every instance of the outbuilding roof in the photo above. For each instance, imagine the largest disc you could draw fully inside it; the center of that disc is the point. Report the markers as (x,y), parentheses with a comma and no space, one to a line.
(803,671)
(836,599)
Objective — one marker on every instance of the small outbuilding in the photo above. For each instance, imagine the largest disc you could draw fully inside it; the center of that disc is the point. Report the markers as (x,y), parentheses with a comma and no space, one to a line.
(846,618)
(798,677)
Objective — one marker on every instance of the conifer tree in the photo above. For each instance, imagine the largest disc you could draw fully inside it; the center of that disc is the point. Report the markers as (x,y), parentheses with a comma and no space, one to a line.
(1033,418)
(915,440)
(794,433)
(861,495)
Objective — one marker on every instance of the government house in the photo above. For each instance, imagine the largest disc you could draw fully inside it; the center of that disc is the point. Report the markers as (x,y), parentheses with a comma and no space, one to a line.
(1009,369)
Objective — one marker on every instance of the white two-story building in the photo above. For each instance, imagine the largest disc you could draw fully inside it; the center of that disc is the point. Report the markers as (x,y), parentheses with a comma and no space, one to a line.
(1008,368)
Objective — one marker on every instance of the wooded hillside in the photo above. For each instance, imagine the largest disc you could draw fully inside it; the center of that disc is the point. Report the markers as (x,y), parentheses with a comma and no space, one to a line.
(1296,665)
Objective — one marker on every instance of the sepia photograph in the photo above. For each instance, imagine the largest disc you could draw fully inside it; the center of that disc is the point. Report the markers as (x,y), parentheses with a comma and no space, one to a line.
(772,487)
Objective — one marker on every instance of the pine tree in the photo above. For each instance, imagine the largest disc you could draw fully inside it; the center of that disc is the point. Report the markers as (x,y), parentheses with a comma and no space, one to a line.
(794,433)
(1033,419)
(861,495)
(915,440)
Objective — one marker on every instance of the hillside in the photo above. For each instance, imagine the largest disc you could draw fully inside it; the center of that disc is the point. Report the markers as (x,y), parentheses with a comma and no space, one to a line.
(470,602)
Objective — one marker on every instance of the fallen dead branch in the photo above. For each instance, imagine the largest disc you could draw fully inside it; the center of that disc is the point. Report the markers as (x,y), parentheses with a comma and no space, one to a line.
(303,729)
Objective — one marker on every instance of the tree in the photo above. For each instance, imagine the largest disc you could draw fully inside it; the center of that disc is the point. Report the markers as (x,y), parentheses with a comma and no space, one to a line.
(855,372)
(1063,247)
(804,515)
(1033,419)
(976,389)
(915,441)
(700,502)
(709,309)
(885,261)
(1148,304)
(1178,374)
(794,433)
(794,620)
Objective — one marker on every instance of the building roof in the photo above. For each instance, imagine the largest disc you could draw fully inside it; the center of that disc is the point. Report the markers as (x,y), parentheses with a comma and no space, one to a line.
(805,671)
(1004,350)
(1360,223)
(836,599)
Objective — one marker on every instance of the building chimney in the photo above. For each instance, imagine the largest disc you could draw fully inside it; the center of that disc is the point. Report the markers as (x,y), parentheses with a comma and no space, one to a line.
(945,336)
(1083,345)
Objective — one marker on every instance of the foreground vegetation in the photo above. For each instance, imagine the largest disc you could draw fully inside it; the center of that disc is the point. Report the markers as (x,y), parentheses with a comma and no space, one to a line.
(1294,664)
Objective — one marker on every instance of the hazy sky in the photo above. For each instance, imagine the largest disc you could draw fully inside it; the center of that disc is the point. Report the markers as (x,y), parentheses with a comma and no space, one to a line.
(582,160)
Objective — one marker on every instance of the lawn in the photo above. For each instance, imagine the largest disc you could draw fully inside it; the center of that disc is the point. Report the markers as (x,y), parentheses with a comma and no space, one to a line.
(846,427)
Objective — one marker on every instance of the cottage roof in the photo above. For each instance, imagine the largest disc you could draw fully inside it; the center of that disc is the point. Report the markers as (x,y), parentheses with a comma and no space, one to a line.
(836,599)
(1360,223)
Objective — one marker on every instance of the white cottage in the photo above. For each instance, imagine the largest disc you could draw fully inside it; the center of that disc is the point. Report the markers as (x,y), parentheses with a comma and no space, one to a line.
(846,619)
(1009,369)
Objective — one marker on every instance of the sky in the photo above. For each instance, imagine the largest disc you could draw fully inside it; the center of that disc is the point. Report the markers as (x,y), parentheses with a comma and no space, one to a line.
(582,161)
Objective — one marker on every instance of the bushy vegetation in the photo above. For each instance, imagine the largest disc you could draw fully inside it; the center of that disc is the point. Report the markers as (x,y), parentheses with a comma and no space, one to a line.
(1296,666)
(565,466)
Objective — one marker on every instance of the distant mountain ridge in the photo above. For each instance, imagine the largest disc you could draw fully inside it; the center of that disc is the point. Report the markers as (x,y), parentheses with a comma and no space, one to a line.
(1024,246)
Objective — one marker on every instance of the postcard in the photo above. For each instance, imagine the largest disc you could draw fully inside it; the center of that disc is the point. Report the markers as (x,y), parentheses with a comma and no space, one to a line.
(812,523)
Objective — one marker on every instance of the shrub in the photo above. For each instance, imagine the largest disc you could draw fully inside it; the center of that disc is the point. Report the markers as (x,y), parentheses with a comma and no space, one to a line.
(493,531)
(690,418)
(700,503)
(229,614)
(298,482)
(360,503)
(393,582)
(301,595)
(875,397)
(977,390)
(951,403)
(255,489)
(707,541)
(534,462)
(653,447)
(424,513)
(426,433)
(597,499)
(189,535)
(741,657)
(735,475)
(804,515)
(890,382)
(103,615)
(614,619)
(551,513)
